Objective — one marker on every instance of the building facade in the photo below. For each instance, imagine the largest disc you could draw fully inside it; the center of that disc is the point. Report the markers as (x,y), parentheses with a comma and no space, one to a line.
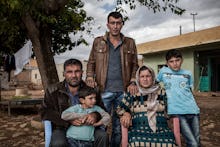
(201,54)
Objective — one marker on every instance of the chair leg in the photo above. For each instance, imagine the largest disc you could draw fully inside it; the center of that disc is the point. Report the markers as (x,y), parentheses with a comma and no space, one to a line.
(124,134)
(48,132)
(176,130)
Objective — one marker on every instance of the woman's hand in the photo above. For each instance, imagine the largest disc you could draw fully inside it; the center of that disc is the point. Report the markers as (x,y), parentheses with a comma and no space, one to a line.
(126,119)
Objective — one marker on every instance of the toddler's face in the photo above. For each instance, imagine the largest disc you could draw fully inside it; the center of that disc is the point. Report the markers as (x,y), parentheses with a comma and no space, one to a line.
(175,63)
(89,101)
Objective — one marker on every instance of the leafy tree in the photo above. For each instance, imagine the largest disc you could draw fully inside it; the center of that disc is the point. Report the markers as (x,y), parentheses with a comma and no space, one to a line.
(48,23)
(155,5)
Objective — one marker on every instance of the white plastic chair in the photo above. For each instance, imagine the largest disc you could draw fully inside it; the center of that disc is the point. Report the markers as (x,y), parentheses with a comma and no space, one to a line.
(48,132)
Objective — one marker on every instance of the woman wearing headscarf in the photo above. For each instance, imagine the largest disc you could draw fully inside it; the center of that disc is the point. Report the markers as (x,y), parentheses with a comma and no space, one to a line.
(144,114)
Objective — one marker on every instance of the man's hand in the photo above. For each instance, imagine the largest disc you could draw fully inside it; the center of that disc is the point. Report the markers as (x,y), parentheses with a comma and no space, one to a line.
(89,119)
(77,122)
(126,119)
(132,89)
(91,82)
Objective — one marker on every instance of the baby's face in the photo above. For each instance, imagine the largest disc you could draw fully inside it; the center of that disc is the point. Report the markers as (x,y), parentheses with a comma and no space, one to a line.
(175,63)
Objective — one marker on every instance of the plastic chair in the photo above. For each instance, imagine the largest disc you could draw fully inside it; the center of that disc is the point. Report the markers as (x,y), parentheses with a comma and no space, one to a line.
(176,131)
(124,135)
(48,132)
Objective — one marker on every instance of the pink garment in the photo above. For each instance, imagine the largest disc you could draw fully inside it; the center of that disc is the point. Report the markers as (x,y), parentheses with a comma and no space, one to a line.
(176,130)
(124,134)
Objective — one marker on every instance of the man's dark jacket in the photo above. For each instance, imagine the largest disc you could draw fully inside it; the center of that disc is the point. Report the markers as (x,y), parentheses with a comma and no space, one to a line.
(56,100)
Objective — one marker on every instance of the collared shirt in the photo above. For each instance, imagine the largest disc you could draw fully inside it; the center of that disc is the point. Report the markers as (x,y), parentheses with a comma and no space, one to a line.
(73,98)
(114,82)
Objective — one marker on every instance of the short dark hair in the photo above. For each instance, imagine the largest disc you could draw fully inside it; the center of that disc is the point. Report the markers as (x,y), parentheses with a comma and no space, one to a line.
(144,68)
(173,53)
(86,91)
(115,15)
(72,62)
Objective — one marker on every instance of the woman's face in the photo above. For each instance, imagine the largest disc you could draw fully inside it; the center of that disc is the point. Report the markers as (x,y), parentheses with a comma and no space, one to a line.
(145,79)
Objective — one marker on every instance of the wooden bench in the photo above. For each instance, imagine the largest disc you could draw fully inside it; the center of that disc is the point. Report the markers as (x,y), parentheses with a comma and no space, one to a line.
(20,103)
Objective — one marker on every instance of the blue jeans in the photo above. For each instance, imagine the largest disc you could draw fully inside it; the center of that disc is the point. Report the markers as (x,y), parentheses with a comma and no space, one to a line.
(112,100)
(79,143)
(189,125)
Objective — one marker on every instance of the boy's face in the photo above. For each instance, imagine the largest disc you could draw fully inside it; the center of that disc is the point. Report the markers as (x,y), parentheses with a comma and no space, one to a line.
(175,63)
(89,101)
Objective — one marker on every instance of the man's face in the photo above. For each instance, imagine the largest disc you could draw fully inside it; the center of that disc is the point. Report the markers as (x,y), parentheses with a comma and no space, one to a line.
(175,63)
(114,25)
(73,75)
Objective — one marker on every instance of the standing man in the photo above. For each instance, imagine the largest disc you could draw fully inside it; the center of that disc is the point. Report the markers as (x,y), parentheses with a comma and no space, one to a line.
(111,67)
(59,97)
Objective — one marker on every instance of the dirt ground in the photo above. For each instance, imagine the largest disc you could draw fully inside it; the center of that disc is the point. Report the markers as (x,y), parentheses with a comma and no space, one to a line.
(17,130)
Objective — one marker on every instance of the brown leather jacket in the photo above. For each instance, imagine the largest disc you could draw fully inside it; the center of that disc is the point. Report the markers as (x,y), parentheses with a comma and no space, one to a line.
(99,56)
(57,100)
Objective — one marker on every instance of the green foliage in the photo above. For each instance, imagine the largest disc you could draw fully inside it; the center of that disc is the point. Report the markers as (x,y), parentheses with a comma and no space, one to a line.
(155,5)
(21,97)
(73,17)
(11,34)
(68,19)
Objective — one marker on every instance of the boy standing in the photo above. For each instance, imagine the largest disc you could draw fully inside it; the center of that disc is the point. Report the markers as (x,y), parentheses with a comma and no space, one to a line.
(83,135)
(181,102)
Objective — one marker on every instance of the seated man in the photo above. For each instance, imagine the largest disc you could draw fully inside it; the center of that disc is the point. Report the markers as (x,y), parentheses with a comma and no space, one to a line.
(62,95)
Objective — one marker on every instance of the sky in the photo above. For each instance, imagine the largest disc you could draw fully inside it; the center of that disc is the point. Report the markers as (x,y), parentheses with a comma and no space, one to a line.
(144,25)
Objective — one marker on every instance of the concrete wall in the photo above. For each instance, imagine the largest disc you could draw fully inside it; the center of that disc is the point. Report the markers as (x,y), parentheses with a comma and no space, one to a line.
(24,76)
(35,77)
(4,80)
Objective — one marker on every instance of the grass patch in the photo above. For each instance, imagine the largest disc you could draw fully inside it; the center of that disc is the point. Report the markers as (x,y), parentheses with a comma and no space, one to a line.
(21,97)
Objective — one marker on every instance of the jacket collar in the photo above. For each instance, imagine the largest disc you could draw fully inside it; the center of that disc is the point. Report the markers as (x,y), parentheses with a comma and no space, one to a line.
(105,37)
(62,86)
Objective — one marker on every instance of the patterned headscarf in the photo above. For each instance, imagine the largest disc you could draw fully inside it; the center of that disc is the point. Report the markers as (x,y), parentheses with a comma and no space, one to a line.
(152,92)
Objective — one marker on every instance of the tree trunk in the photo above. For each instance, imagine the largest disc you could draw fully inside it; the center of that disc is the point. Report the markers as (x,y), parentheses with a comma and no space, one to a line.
(41,41)
(47,65)
(40,36)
